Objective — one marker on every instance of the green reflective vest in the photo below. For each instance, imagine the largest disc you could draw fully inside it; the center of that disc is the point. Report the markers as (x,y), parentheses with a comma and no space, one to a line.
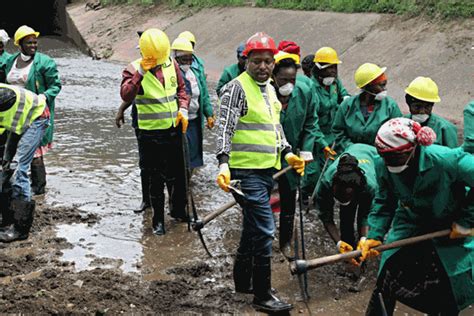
(256,141)
(158,106)
(27,108)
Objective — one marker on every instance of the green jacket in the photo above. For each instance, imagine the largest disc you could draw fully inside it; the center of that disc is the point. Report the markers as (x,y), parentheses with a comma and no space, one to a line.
(446,132)
(328,104)
(367,155)
(198,63)
(469,128)
(300,123)
(434,203)
(3,58)
(229,73)
(350,127)
(42,79)
(205,106)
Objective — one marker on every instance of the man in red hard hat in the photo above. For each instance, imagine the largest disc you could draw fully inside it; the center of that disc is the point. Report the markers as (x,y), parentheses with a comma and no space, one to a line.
(250,145)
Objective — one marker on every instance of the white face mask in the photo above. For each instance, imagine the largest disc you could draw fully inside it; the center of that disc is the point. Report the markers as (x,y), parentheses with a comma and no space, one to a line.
(381,95)
(343,204)
(400,169)
(185,68)
(328,81)
(286,89)
(25,57)
(420,118)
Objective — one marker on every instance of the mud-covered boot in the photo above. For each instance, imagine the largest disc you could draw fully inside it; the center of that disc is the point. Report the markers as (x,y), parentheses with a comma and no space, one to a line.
(285,231)
(145,180)
(38,176)
(264,300)
(23,212)
(158,221)
(243,273)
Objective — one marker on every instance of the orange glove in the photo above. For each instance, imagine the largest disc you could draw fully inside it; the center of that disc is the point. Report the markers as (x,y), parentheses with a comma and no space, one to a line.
(344,247)
(182,118)
(296,162)
(458,231)
(210,122)
(223,178)
(329,153)
(365,246)
(147,63)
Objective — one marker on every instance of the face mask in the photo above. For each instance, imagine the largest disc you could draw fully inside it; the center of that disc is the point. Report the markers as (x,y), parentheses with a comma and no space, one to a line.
(286,89)
(343,204)
(185,68)
(25,57)
(378,96)
(264,83)
(420,118)
(328,81)
(400,169)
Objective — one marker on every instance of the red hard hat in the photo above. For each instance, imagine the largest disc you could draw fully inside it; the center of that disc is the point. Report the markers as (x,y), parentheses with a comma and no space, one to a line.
(260,41)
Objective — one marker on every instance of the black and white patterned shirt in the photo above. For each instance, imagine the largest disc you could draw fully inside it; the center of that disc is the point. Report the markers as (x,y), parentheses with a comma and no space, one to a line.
(233,105)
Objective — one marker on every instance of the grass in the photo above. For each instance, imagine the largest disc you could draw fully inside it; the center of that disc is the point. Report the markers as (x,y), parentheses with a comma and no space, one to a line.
(448,9)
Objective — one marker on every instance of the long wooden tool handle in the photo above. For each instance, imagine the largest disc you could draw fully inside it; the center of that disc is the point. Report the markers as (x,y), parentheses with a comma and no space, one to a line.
(302,265)
(209,217)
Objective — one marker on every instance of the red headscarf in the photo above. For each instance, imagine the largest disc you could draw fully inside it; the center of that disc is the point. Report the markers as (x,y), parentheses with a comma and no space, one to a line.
(289,47)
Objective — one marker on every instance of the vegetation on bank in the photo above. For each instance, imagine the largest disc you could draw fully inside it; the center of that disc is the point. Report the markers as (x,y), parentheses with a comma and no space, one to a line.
(439,8)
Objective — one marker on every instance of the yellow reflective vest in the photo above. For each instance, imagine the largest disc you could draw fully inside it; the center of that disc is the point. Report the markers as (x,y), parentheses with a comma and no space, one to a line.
(158,106)
(257,140)
(27,108)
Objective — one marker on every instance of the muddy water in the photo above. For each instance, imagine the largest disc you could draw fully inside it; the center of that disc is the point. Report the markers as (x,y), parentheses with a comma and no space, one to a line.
(94,167)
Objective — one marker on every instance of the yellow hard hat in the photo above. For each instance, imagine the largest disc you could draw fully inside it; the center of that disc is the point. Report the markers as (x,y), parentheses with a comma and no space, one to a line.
(284,55)
(423,88)
(326,55)
(24,31)
(182,44)
(366,73)
(154,43)
(188,35)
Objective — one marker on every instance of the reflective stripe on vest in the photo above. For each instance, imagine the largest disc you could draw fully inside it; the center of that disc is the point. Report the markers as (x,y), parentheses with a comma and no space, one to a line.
(157,108)
(27,108)
(256,141)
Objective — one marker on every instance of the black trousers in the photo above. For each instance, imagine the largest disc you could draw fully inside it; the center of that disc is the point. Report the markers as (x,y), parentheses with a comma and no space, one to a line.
(161,158)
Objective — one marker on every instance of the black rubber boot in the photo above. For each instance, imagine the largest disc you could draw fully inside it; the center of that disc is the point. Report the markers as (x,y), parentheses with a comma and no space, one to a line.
(38,176)
(23,219)
(158,220)
(263,299)
(145,180)
(286,229)
(243,273)
(7,214)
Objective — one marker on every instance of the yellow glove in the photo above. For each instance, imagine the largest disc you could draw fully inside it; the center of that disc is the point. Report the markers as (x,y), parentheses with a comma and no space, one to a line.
(147,63)
(365,246)
(344,247)
(223,178)
(296,162)
(182,118)
(458,231)
(329,153)
(210,122)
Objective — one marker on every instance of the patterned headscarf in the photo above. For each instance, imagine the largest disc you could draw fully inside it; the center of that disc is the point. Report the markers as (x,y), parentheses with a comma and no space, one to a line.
(402,134)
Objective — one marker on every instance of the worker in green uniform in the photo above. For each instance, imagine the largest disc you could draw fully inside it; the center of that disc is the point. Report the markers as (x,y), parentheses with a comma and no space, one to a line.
(421,190)
(421,95)
(232,71)
(293,48)
(351,182)
(198,63)
(250,145)
(469,128)
(359,117)
(331,92)
(300,124)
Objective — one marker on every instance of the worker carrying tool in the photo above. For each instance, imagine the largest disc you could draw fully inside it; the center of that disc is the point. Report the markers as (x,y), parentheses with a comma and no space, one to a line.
(350,182)
(300,125)
(156,85)
(24,119)
(331,92)
(421,95)
(250,144)
(421,189)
